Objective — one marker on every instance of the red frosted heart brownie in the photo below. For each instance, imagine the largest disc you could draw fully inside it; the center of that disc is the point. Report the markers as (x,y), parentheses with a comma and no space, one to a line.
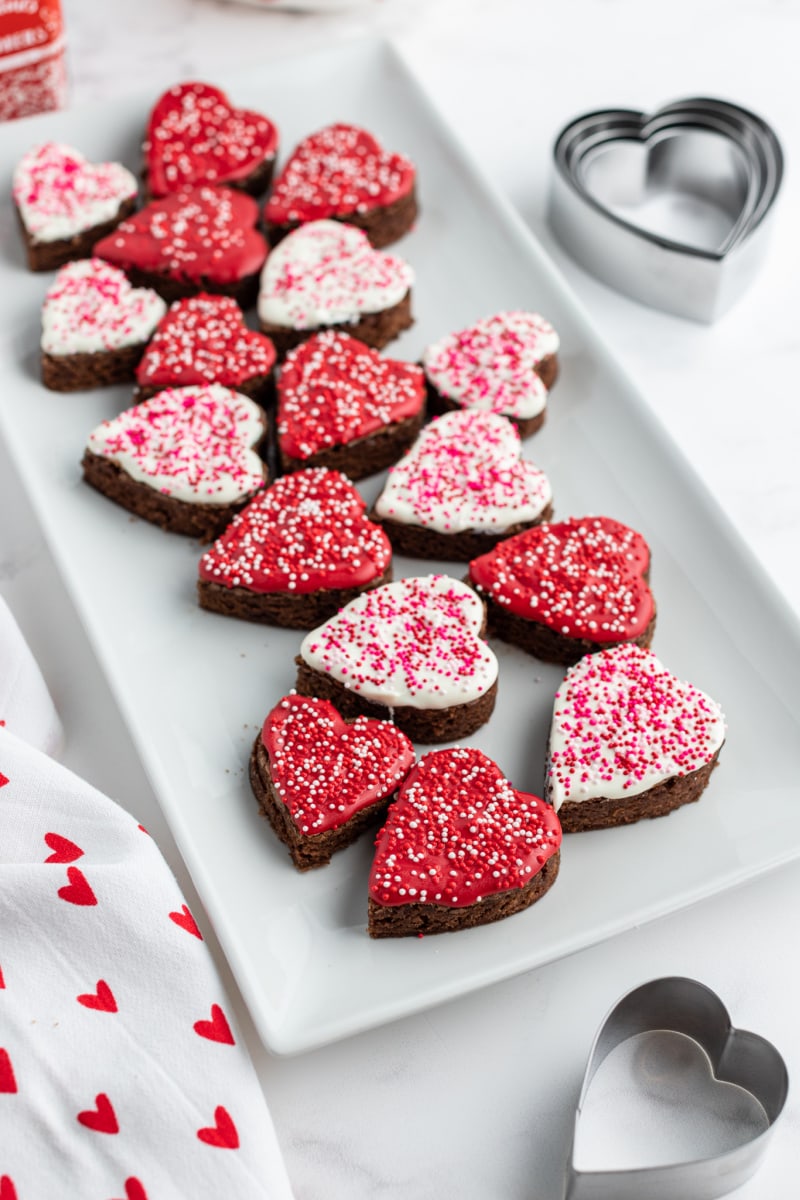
(66,204)
(322,781)
(198,239)
(95,326)
(326,275)
(296,554)
(461,488)
(460,847)
(185,460)
(504,364)
(341,405)
(204,339)
(412,650)
(628,740)
(568,588)
(342,172)
(196,136)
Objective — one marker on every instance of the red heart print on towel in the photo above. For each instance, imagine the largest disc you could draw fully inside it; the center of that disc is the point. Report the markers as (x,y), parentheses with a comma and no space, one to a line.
(7,1189)
(102,1117)
(2,980)
(223,1133)
(103,1000)
(8,1082)
(64,851)
(217,1029)
(133,1190)
(77,891)
(195,135)
(186,921)
(3,778)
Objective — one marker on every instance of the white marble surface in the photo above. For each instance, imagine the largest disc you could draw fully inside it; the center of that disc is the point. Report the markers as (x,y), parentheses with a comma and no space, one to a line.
(474,1099)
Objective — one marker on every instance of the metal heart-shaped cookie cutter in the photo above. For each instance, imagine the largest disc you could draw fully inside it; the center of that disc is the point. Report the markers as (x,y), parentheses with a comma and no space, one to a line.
(723,156)
(678,1005)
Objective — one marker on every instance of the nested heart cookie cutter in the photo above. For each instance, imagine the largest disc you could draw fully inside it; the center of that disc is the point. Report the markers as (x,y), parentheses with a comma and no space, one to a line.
(716,152)
(679,1005)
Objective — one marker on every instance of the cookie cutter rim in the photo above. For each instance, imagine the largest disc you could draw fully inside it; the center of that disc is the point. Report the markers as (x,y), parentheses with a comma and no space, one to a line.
(678,1004)
(687,280)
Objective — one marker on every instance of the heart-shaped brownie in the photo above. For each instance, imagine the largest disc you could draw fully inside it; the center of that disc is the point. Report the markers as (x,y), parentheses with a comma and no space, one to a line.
(628,740)
(327,273)
(569,587)
(196,136)
(460,847)
(502,364)
(334,394)
(301,550)
(413,646)
(321,780)
(59,194)
(91,308)
(184,460)
(204,339)
(461,487)
(201,237)
(343,172)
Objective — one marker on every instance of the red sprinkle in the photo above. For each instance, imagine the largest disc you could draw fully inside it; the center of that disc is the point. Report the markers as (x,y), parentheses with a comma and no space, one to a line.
(583,577)
(334,389)
(325,769)
(306,532)
(458,832)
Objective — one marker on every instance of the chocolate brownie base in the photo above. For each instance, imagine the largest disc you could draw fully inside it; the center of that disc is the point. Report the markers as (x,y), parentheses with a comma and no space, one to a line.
(80,372)
(49,256)
(382,225)
(287,609)
(427,725)
(365,455)
(658,801)
(255,184)
(306,851)
(414,920)
(260,388)
(373,329)
(418,542)
(545,643)
(244,291)
(203,521)
(547,371)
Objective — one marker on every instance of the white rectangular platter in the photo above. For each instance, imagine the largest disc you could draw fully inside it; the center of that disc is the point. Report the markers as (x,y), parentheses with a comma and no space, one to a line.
(194,687)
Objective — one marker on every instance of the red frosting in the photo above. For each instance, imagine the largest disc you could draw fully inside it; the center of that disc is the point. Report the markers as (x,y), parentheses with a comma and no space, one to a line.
(325,769)
(306,532)
(334,389)
(457,832)
(584,577)
(195,136)
(204,340)
(200,235)
(340,170)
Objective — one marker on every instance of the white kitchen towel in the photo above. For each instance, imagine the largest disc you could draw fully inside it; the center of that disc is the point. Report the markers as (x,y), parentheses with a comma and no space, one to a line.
(122,1073)
(26,707)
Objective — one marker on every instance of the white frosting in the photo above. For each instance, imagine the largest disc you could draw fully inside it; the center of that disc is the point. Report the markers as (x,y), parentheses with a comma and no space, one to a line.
(91,307)
(326,273)
(622,724)
(59,194)
(462,473)
(492,364)
(192,443)
(413,643)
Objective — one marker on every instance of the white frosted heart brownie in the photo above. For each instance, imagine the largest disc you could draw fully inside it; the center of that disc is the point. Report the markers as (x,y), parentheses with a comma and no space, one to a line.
(412,650)
(628,740)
